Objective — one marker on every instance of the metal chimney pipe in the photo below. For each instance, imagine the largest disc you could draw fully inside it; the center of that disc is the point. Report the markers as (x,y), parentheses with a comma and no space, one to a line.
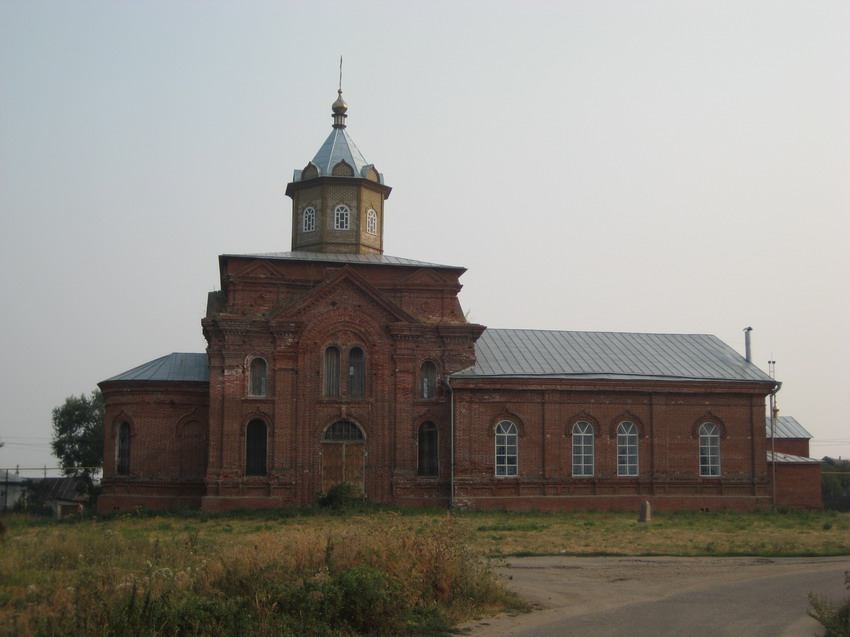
(748,356)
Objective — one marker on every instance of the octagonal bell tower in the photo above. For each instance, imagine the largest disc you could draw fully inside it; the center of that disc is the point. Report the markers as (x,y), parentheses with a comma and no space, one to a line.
(338,198)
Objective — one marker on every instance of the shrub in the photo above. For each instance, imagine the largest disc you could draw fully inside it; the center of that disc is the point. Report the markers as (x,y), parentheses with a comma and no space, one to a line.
(836,620)
(341,496)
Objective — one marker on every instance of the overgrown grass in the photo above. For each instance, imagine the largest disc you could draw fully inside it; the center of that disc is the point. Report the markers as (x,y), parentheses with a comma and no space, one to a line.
(384,574)
(316,573)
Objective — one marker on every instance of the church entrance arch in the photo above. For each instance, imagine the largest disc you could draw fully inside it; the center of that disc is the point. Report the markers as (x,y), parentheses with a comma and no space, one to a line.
(343,455)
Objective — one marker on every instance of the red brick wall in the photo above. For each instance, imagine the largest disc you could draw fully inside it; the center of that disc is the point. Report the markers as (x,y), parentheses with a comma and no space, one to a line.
(798,485)
(163,459)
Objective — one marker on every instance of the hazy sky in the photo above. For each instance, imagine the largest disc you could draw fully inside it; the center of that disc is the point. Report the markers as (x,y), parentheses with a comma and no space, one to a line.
(634,166)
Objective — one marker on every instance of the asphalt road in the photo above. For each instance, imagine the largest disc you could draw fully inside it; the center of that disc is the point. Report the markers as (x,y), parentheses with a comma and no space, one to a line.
(667,597)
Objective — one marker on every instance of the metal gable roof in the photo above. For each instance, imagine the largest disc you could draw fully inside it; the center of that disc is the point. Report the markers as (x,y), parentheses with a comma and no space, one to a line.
(335,257)
(179,367)
(608,355)
(787,427)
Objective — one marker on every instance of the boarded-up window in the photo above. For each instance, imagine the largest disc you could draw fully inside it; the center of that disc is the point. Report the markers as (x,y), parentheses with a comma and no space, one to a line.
(193,451)
(356,373)
(428,453)
(256,449)
(258,377)
(331,372)
(122,465)
(428,380)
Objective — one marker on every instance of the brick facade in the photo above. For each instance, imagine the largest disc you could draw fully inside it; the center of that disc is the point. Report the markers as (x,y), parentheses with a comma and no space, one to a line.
(319,369)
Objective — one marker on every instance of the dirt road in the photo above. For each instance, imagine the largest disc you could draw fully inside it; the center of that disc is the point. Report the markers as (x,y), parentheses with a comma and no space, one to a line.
(685,597)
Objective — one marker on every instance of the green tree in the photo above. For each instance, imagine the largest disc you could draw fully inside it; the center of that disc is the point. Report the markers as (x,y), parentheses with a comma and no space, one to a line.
(78,436)
(835,483)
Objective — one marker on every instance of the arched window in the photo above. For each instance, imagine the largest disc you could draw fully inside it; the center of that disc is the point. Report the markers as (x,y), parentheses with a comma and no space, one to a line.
(428,452)
(343,431)
(256,449)
(331,372)
(258,377)
(371,222)
(709,449)
(507,458)
(356,373)
(428,380)
(122,464)
(627,449)
(309,219)
(582,448)
(342,216)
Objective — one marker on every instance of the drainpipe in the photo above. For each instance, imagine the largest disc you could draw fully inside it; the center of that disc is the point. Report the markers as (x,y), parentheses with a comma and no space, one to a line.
(774,410)
(452,443)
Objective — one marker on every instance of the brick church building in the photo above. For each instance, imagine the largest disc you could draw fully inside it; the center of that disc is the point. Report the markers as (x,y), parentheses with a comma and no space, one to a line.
(335,362)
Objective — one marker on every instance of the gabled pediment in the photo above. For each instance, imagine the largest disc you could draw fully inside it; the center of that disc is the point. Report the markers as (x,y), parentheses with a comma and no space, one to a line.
(423,276)
(345,290)
(258,268)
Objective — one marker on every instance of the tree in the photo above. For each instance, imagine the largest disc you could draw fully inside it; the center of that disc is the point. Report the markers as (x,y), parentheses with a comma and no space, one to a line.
(78,436)
(835,483)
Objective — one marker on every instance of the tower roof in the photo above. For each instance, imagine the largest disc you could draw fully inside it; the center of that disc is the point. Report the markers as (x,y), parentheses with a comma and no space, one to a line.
(338,147)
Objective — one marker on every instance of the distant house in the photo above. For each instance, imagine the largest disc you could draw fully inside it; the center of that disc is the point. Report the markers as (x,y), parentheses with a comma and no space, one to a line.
(63,496)
(11,488)
(798,477)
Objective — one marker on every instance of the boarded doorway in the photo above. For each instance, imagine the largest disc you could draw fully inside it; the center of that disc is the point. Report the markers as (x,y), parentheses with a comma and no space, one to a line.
(343,455)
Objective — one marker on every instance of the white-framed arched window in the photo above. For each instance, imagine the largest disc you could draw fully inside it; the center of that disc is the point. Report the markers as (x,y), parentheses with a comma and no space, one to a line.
(507,449)
(308,219)
(627,449)
(582,448)
(342,217)
(371,222)
(709,449)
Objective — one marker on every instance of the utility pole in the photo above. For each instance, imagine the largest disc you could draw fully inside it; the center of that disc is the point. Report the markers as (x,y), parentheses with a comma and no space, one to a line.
(771,366)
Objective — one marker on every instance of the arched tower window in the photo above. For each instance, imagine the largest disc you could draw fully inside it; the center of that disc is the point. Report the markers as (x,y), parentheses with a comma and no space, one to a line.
(627,449)
(582,448)
(342,217)
(507,452)
(122,464)
(256,448)
(428,450)
(372,222)
(356,373)
(709,449)
(258,377)
(331,372)
(428,380)
(309,219)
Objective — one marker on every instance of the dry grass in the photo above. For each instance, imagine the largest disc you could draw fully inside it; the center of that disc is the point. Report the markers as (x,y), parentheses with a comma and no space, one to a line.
(266,572)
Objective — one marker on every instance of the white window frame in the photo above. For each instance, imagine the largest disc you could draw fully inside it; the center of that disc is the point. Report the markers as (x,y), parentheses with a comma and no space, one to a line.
(507,449)
(709,450)
(309,219)
(342,217)
(371,222)
(583,449)
(627,449)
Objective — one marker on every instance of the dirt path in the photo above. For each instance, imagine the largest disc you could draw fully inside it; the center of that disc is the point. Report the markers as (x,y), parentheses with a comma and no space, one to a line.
(567,589)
